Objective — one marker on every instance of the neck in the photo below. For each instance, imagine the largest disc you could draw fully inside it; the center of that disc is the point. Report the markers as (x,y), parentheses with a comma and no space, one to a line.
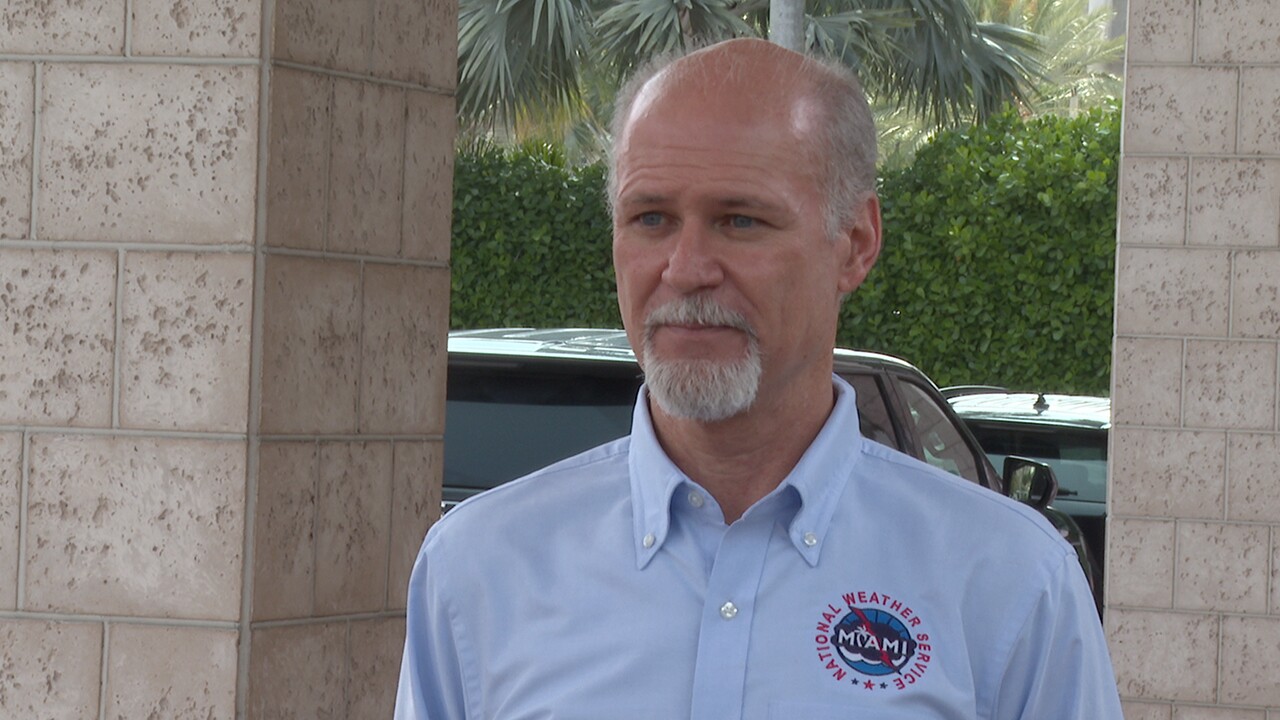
(743,458)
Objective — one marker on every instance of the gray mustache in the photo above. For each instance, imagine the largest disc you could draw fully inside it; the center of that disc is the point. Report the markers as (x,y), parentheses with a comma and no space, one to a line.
(698,310)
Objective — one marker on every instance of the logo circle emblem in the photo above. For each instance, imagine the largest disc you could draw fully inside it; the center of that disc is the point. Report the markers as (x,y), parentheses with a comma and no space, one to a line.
(873,642)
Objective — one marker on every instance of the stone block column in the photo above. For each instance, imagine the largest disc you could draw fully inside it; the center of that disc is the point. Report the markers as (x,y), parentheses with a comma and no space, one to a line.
(223,307)
(1193,572)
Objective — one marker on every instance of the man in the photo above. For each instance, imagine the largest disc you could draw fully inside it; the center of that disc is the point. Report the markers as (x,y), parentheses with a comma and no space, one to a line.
(744,553)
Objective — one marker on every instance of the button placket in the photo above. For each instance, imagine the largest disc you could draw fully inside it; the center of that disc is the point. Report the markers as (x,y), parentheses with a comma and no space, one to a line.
(724,635)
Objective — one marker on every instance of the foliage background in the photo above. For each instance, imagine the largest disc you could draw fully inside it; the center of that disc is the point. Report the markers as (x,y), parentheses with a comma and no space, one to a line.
(997,267)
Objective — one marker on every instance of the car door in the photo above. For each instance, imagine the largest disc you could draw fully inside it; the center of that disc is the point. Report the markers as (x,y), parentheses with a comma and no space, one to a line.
(937,436)
(875,411)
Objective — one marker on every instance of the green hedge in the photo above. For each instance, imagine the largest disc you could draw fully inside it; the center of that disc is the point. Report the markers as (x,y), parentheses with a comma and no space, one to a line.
(997,267)
(999,256)
(531,242)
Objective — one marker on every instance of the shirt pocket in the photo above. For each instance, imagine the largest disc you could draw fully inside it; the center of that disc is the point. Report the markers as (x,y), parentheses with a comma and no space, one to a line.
(784,710)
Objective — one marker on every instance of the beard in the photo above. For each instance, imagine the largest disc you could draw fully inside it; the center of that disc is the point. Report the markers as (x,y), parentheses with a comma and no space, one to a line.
(701,389)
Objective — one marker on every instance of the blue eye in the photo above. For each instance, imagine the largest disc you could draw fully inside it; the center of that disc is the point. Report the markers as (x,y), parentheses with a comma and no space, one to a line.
(650,219)
(741,222)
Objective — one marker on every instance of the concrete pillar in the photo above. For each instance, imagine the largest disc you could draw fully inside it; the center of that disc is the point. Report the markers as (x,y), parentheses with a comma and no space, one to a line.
(1193,582)
(223,301)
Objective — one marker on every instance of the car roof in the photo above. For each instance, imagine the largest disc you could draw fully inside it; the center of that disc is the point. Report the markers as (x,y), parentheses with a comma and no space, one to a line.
(606,345)
(1079,411)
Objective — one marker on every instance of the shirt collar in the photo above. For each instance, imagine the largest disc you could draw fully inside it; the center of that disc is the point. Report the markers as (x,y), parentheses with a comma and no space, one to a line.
(818,478)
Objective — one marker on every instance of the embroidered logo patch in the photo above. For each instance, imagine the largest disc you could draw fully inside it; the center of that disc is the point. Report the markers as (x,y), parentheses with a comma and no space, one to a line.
(873,641)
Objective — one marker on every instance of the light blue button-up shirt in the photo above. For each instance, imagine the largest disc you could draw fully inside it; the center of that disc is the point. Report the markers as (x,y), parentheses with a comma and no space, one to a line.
(867,585)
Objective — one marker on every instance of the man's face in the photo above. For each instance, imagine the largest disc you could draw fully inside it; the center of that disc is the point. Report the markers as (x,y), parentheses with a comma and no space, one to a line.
(721,252)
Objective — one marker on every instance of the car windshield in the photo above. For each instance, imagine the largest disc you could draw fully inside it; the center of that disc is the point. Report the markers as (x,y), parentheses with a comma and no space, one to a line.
(1078,458)
(501,426)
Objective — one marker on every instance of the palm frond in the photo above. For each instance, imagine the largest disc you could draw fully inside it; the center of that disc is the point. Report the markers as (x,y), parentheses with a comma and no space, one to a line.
(519,58)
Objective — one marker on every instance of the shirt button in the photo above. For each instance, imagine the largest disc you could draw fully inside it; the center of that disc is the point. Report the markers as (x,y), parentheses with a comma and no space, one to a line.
(695,499)
(810,539)
(649,540)
(728,611)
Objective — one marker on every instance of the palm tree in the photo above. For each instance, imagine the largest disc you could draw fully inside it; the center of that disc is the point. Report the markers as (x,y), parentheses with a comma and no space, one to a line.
(1077,51)
(527,67)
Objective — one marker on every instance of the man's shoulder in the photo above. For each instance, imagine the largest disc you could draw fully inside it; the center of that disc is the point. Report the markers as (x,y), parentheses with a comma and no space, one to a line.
(927,494)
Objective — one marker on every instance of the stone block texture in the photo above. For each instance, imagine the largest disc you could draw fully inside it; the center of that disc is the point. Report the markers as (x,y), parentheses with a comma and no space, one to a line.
(342,669)
(63,27)
(1180,109)
(428,177)
(311,353)
(1173,292)
(1160,186)
(412,41)
(183,673)
(415,504)
(1237,31)
(1234,202)
(57,308)
(298,159)
(1230,385)
(1222,567)
(156,531)
(1160,31)
(367,168)
(50,670)
(172,150)
(204,28)
(1146,387)
(1168,474)
(1140,563)
(403,348)
(1153,659)
(17,103)
(1146,711)
(185,346)
(359,168)
(224,297)
(352,529)
(284,562)
(1194,549)
(298,671)
(10,515)
(1250,649)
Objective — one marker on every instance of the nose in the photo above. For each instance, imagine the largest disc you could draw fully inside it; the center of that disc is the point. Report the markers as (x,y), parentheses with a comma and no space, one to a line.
(692,264)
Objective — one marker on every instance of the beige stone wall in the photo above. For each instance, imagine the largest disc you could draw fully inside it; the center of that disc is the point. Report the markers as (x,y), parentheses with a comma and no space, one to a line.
(223,302)
(1194,558)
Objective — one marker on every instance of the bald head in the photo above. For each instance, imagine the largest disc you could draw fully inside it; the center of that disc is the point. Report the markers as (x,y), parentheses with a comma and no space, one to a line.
(747,82)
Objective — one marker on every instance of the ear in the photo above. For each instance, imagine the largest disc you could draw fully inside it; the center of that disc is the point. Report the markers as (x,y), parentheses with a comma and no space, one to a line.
(863,244)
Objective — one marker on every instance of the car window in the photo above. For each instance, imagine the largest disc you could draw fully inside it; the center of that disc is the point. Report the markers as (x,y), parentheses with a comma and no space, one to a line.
(1078,458)
(503,424)
(941,442)
(873,413)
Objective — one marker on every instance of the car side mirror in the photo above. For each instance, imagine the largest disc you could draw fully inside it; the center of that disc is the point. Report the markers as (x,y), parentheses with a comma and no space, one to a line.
(1030,481)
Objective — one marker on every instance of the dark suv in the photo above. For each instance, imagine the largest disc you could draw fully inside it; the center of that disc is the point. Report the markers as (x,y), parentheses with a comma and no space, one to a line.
(1066,432)
(521,399)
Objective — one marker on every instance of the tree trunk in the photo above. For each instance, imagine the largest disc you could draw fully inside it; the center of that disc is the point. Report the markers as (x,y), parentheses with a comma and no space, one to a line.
(786,24)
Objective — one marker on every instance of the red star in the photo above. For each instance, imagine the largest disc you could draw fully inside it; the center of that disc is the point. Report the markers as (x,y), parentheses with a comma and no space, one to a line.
(869,685)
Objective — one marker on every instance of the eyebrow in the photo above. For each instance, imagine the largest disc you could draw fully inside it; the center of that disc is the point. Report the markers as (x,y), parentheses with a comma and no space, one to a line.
(743,202)
(732,202)
(643,199)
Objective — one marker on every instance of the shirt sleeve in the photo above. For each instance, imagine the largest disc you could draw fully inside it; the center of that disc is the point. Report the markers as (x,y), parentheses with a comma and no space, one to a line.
(1059,667)
(431,676)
